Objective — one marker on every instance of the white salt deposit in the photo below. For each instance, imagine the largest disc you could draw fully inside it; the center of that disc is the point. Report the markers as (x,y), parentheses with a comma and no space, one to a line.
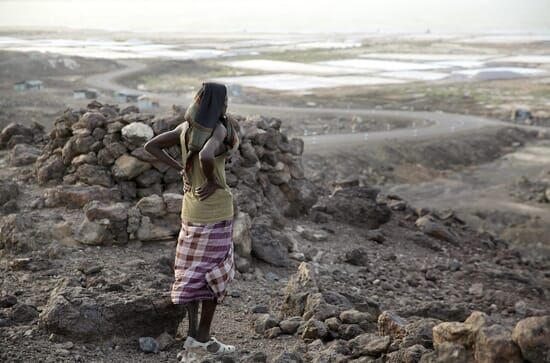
(487,74)
(505,38)
(288,82)
(416,75)
(460,64)
(291,67)
(427,56)
(328,45)
(380,65)
(541,59)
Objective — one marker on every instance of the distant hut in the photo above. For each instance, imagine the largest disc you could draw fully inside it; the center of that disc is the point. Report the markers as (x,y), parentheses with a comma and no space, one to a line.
(126,97)
(147,103)
(28,85)
(88,94)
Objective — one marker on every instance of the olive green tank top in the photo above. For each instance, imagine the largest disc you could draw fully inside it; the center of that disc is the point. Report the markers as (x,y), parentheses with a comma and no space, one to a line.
(215,208)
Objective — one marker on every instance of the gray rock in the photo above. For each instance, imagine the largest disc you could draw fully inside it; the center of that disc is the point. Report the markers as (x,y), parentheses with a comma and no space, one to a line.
(92,233)
(356,206)
(128,167)
(314,329)
(532,335)
(51,168)
(8,191)
(357,256)
(173,202)
(23,154)
(148,345)
(241,234)
(94,175)
(264,322)
(152,206)
(137,133)
(266,247)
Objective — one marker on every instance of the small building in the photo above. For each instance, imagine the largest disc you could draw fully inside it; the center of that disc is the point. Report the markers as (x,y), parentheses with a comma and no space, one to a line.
(126,97)
(88,94)
(147,103)
(27,85)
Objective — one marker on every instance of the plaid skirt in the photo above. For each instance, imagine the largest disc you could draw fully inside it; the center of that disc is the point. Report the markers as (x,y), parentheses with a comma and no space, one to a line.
(204,264)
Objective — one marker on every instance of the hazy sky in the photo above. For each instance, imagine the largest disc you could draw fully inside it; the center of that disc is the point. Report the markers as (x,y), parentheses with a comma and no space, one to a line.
(281,15)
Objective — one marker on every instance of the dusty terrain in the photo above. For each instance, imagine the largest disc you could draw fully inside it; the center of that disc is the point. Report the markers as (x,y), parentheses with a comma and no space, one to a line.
(385,248)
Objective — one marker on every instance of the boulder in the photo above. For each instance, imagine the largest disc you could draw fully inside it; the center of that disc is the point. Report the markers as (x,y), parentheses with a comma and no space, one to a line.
(266,247)
(299,286)
(76,314)
(173,202)
(356,206)
(8,191)
(137,133)
(494,344)
(431,227)
(152,206)
(18,132)
(51,168)
(23,154)
(128,167)
(532,335)
(389,323)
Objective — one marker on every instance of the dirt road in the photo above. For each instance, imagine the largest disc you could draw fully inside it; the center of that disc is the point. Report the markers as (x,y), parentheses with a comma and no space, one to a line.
(442,123)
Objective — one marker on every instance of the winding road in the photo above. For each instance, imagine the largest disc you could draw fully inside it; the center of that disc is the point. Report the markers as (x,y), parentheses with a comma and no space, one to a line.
(442,123)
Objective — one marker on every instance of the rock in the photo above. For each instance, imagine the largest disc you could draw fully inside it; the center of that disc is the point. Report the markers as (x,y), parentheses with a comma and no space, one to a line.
(494,344)
(299,286)
(173,202)
(241,234)
(155,229)
(23,154)
(90,120)
(411,354)
(389,323)
(75,314)
(453,332)
(273,332)
(148,178)
(290,325)
(356,206)
(7,301)
(357,256)
(92,233)
(260,309)
(449,353)
(296,146)
(94,175)
(23,313)
(429,226)
(8,191)
(287,357)
(314,329)
(476,289)
(438,310)
(532,335)
(353,316)
(325,305)
(266,247)
(51,168)
(137,133)
(79,195)
(165,341)
(148,345)
(152,206)
(16,131)
(96,210)
(89,158)
(128,167)
(264,322)
(420,332)
(369,344)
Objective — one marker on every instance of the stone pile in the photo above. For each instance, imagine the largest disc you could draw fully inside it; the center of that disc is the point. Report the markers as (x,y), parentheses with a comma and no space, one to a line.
(94,160)
(23,141)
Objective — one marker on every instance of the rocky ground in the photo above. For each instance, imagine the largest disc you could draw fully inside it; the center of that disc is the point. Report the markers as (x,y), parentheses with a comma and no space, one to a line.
(325,272)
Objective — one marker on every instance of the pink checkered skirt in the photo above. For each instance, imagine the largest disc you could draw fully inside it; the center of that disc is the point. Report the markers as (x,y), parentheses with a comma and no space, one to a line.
(204,263)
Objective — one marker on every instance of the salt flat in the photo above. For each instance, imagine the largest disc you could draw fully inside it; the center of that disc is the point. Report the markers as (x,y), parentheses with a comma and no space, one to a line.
(427,56)
(527,59)
(292,67)
(288,82)
(416,75)
(380,65)
(505,38)
(498,73)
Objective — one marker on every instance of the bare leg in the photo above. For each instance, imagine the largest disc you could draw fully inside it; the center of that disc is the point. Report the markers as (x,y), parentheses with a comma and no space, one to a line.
(192,312)
(207,314)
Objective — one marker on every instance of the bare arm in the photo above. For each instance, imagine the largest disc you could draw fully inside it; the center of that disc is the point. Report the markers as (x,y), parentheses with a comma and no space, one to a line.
(157,144)
(206,158)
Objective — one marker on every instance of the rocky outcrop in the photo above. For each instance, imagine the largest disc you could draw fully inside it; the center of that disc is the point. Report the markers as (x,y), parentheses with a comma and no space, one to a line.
(16,133)
(75,314)
(355,205)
